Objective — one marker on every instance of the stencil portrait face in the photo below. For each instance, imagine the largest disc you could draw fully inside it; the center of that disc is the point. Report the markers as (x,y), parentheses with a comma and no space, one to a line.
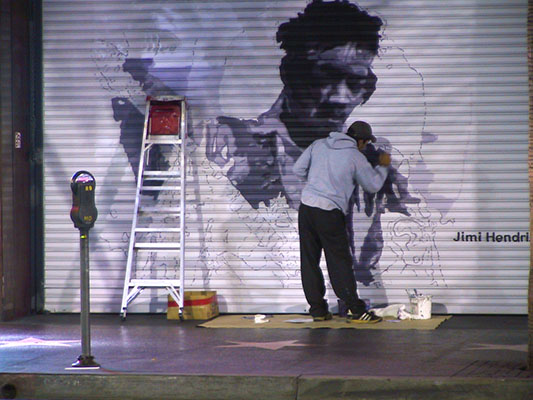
(325,93)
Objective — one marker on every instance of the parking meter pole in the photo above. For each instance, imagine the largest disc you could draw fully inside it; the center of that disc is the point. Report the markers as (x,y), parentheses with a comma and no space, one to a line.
(84,294)
(85,360)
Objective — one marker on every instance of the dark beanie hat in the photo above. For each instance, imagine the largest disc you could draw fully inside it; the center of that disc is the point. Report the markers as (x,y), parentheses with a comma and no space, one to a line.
(361,130)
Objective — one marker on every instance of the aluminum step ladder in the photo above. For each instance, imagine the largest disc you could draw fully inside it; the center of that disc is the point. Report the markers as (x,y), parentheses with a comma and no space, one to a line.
(165,127)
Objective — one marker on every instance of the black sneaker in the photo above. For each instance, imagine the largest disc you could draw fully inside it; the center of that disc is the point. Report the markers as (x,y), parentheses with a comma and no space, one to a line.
(325,317)
(365,317)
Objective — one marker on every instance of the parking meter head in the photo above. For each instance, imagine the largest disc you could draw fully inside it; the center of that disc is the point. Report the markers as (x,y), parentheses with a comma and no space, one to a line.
(83,212)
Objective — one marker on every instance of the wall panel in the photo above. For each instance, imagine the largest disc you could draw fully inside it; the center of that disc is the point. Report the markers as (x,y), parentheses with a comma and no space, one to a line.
(451,105)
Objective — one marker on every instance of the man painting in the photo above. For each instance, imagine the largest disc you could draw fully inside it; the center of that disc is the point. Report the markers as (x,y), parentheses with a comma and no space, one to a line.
(331,168)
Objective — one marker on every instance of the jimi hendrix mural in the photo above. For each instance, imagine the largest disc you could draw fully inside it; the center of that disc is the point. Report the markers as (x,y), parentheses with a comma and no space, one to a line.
(327,75)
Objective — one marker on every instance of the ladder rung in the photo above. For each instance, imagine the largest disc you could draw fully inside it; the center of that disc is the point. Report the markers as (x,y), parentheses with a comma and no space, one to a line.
(152,140)
(161,188)
(161,173)
(155,282)
(157,230)
(158,250)
(167,210)
(156,245)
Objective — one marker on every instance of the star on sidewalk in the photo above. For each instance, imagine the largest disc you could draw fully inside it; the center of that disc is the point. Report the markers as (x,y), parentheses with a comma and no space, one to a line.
(31,341)
(488,346)
(266,345)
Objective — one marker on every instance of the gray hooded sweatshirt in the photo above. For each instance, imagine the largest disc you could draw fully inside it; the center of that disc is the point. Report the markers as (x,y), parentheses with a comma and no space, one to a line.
(332,167)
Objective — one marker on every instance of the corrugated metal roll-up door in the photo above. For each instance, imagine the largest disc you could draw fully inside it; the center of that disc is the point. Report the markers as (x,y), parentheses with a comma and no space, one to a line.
(450,104)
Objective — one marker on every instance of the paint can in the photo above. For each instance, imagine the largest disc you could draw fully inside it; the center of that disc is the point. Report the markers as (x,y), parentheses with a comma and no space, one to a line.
(421,306)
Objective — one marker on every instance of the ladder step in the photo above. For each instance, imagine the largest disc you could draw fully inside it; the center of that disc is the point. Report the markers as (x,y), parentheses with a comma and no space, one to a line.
(158,250)
(162,140)
(155,282)
(160,210)
(140,230)
(162,188)
(155,245)
(162,173)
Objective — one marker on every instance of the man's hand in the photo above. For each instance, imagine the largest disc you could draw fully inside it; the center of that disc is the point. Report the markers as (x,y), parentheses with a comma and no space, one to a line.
(384,159)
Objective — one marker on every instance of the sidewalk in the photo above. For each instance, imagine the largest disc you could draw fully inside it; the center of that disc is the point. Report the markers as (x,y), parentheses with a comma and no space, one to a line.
(148,357)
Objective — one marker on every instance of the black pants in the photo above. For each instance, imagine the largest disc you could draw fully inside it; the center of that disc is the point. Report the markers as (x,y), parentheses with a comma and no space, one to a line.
(320,229)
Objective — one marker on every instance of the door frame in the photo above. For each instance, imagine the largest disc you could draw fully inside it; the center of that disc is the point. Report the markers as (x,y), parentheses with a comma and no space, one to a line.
(21,216)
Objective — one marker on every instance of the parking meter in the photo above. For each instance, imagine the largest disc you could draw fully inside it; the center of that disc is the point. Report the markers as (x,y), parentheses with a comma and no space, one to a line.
(83,212)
